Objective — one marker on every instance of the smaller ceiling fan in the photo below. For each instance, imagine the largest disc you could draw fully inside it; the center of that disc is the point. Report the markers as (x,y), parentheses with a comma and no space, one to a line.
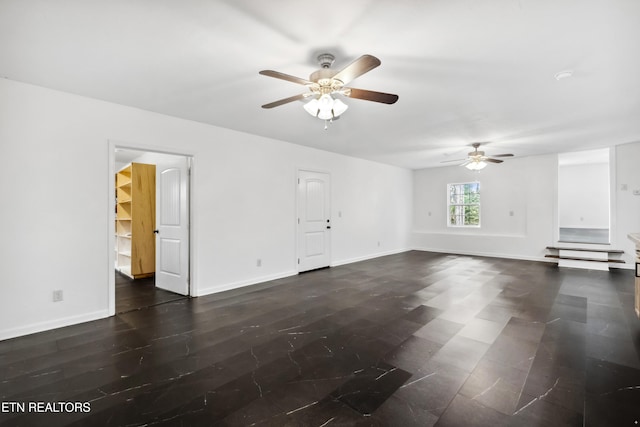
(477,159)
(325,83)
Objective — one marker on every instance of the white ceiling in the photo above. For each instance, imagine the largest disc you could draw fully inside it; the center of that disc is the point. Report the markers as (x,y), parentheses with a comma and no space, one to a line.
(465,70)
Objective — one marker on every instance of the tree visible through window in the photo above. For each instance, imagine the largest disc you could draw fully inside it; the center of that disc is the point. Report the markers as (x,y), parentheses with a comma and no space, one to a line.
(464,204)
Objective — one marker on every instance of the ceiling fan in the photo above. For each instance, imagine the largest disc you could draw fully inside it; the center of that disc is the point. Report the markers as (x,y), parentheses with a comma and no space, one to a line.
(477,159)
(325,83)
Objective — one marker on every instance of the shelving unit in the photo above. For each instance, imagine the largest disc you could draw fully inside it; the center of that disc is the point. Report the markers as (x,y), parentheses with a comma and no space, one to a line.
(135,220)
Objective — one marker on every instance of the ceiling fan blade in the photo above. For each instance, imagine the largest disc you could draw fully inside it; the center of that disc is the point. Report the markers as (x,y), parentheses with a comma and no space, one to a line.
(287,77)
(357,68)
(451,161)
(369,95)
(503,155)
(287,100)
(489,159)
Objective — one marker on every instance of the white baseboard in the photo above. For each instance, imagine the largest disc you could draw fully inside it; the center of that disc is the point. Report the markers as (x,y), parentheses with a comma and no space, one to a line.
(52,324)
(367,257)
(243,283)
(262,279)
(625,266)
(483,254)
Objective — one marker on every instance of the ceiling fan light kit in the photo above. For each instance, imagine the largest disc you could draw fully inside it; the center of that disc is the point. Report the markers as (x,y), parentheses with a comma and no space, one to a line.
(476,165)
(477,160)
(325,83)
(325,107)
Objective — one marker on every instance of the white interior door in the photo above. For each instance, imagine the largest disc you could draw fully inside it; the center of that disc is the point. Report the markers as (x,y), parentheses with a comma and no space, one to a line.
(314,220)
(172,224)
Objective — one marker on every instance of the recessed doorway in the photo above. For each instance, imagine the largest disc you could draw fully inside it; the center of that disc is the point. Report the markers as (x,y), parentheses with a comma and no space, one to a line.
(584,197)
(150,238)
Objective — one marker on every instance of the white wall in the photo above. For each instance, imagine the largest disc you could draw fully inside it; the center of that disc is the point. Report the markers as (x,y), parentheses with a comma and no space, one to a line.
(525,187)
(583,195)
(528,187)
(627,213)
(54,184)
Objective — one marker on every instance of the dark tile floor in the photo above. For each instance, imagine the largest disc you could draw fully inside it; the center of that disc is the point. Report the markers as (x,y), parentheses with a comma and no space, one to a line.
(140,293)
(414,339)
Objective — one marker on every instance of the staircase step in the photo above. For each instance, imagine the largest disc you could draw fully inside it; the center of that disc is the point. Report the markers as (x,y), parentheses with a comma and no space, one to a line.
(584,259)
(610,251)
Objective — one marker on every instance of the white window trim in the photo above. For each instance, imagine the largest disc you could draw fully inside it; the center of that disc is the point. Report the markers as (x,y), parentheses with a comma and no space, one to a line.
(479,204)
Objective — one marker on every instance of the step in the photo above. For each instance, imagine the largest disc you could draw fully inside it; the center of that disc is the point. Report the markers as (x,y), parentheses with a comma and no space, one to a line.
(585,259)
(610,251)
(580,257)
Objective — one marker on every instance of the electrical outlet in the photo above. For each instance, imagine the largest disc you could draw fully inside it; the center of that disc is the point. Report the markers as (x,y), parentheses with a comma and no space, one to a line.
(259,263)
(378,243)
(58,295)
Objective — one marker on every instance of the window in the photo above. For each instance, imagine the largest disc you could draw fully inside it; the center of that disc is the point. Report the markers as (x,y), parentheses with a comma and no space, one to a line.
(463,204)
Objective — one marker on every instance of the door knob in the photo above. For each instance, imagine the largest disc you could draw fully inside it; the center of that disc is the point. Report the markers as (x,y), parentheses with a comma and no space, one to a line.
(328,227)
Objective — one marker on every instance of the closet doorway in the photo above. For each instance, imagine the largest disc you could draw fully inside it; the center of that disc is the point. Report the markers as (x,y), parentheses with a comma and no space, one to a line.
(150,242)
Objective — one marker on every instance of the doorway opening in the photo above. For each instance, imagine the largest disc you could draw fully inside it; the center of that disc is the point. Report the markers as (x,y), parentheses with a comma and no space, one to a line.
(134,294)
(149,262)
(584,197)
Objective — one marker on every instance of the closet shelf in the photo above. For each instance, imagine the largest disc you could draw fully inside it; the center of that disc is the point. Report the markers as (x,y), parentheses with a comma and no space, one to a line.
(135,220)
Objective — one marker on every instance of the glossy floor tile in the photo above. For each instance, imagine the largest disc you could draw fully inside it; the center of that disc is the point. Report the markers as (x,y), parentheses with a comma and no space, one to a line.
(141,293)
(414,339)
